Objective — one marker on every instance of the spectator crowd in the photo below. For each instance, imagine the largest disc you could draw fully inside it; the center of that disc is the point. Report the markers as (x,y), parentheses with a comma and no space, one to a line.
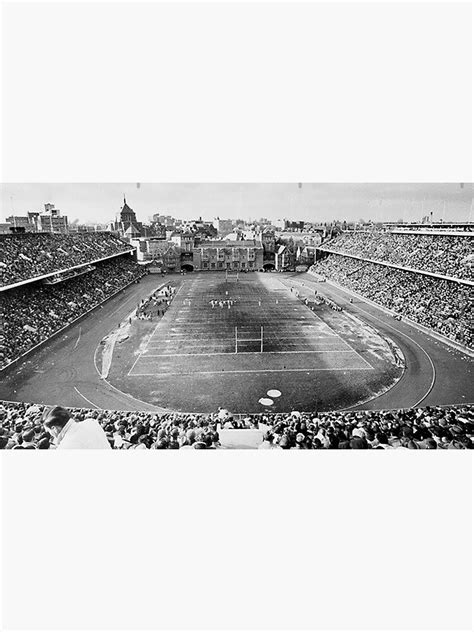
(32,313)
(452,427)
(443,306)
(29,255)
(448,255)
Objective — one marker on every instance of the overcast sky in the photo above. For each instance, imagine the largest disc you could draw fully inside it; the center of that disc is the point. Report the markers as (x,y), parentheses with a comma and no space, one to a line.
(314,202)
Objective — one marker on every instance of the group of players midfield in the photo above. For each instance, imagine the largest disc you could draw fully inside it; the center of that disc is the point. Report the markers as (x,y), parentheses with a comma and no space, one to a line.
(222,303)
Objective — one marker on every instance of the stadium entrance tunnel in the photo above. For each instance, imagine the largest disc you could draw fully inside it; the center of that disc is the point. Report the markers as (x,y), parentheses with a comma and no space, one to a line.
(187,267)
(268,266)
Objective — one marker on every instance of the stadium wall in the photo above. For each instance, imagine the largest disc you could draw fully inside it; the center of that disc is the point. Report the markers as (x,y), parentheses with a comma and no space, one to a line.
(60,331)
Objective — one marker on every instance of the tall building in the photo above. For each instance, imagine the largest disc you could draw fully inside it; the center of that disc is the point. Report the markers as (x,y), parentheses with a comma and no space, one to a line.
(223,226)
(51,221)
(126,222)
(21,222)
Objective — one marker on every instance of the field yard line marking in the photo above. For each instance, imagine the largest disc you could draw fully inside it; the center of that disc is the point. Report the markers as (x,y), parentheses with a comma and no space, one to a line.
(318,349)
(152,334)
(84,397)
(177,355)
(78,338)
(133,365)
(103,379)
(167,374)
(345,343)
(142,352)
(276,334)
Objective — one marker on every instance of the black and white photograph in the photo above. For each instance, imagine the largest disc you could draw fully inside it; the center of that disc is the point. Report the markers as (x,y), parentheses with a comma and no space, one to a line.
(287,316)
(243,227)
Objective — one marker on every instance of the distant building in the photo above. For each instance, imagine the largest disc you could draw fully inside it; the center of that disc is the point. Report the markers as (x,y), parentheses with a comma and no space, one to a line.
(5,228)
(243,255)
(280,224)
(223,226)
(268,240)
(285,257)
(126,223)
(184,241)
(21,221)
(51,221)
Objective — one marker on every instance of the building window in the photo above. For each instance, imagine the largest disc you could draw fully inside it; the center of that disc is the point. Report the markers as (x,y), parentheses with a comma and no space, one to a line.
(205,264)
(236,264)
(220,264)
(213,266)
(250,264)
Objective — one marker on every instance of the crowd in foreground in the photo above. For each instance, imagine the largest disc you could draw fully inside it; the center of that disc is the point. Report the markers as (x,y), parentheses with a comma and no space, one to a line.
(448,255)
(34,312)
(25,426)
(443,306)
(29,255)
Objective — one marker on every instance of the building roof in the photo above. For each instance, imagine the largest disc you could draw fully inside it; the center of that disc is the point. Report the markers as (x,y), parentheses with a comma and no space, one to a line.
(132,230)
(223,243)
(126,208)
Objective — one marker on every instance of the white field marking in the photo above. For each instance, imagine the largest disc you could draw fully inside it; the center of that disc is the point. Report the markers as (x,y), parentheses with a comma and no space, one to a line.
(272,328)
(279,335)
(227,341)
(152,334)
(114,387)
(307,370)
(141,353)
(78,338)
(175,355)
(84,397)
(344,342)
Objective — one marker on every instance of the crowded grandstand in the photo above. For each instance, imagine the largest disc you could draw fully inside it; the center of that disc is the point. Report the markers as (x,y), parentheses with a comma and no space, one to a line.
(77,273)
(50,281)
(425,278)
(427,428)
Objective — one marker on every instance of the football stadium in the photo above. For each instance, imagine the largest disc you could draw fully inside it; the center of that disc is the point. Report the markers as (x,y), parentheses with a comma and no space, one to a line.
(314,337)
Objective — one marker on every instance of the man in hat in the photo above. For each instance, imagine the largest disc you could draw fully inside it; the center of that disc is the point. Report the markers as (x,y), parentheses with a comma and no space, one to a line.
(69,433)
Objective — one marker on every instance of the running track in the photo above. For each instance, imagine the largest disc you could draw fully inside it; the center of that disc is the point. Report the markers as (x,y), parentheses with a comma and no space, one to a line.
(64,369)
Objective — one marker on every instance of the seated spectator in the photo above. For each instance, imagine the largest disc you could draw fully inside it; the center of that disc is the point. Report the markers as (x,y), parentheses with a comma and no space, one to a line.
(444,306)
(445,428)
(68,433)
(34,312)
(447,255)
(29,255)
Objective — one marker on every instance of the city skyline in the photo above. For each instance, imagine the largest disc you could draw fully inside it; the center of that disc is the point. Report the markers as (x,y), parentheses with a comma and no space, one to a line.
(99,203)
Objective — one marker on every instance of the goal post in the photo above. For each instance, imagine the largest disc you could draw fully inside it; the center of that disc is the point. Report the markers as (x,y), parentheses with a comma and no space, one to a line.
(236,342)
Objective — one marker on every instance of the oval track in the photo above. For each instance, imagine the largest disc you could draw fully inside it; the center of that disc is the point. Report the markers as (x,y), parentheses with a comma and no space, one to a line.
(64,369)
(436,374)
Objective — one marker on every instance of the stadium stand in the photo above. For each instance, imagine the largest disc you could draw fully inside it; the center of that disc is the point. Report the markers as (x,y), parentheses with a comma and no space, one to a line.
(24,257)
(32,313)
(427,278)
(445,307)
(446,255)
(427,428)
